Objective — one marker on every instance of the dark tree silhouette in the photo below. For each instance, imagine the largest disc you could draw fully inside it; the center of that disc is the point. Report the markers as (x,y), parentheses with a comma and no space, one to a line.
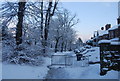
(21,9)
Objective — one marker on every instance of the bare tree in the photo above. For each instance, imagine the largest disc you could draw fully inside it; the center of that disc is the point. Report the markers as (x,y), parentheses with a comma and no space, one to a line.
(42,19)
(21,10)
(62,32)
(49,13)
(9,12)
(69,22)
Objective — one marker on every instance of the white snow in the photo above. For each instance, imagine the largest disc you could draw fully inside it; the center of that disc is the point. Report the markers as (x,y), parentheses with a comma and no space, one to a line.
(115,43)
(115,39)
(0,71)
(75,72)
(59,53)
(104,41)
(114,27)
(10,71)
(108,55)
(91,72)
(95,55)
(100,32)
(104,32)
(86,72)
(0,51)
(76,50)
(68,53)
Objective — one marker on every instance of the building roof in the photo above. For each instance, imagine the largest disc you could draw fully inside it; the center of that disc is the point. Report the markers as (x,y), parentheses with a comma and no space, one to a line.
(102,32)
(114,41)
(114,27)
(104,41)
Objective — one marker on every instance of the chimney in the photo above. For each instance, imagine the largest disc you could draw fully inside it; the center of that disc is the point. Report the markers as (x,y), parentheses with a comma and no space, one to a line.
(107,26)
(102,28)
(118,20)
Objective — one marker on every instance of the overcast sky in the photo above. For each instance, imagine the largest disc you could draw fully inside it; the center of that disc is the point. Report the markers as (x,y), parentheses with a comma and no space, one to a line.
(92,15)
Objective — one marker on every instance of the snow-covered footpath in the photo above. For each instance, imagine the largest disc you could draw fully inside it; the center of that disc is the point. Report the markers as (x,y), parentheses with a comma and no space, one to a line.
(92,71)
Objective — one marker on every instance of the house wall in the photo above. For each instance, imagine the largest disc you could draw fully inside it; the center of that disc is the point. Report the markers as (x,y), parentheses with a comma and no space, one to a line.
(119,31)
(116,32)
(106,36)
(111,34)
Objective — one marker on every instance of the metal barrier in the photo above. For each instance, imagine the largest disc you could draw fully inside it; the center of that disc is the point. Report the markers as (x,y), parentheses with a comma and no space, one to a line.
(58,60)
(69,61)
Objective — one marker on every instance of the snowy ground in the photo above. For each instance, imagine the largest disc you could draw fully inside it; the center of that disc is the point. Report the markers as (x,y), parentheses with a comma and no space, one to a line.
(28,72)
(0,71)
(77,72)
(91,72)
(25,72)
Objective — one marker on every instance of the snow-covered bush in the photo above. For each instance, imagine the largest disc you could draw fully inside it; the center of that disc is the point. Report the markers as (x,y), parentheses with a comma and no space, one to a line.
(22,58)
(22,54)
(76,50)
(82,49)
(87,46)
(26,54)
(8,45)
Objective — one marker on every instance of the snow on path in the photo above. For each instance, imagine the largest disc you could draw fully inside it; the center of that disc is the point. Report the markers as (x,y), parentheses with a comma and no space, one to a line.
(10,71)
(90,72)
(57,73)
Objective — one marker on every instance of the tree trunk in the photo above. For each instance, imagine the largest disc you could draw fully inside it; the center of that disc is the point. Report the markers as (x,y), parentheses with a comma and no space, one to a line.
(56,45)
(65,46)
(42,19)
(70,46)
(47,20)
(62,45)
(21,10)
(49,14)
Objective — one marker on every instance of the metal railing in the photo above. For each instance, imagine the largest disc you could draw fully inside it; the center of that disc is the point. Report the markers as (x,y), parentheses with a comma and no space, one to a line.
(69,61)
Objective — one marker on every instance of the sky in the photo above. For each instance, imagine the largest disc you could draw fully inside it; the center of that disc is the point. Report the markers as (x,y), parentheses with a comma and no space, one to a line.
(92,16)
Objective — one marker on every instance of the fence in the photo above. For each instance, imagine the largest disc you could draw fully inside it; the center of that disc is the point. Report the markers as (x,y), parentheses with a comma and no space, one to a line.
(69,61)
(109,58)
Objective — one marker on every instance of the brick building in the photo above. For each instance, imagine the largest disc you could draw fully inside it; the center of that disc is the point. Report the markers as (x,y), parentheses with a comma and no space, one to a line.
(107,33)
